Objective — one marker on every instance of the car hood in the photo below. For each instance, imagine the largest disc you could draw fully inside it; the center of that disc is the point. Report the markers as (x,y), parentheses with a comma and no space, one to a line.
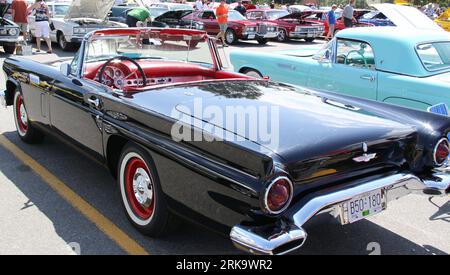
(174,15)
(97,9)
(297,15)
(407,17)
(4,8)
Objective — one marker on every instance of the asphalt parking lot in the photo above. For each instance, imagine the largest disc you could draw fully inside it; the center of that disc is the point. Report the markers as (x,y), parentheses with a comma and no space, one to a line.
(54,200)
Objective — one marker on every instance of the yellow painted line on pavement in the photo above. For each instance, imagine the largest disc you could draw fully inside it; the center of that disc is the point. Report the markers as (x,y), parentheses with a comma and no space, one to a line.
(104,224)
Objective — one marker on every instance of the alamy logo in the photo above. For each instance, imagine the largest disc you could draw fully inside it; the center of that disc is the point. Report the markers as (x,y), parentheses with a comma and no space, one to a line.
(230,123)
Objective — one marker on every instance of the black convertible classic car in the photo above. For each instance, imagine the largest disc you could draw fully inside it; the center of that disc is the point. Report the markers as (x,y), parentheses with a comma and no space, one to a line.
(249,157)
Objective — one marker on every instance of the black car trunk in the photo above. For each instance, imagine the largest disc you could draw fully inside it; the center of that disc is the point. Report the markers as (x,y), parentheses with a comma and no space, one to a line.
(315,136)
(315,139)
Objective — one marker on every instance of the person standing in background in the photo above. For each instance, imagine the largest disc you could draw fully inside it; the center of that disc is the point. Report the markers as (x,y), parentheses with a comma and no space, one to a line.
(240,8)
(19,9)
(348,14)
(222,19)
(41,24)
(331,19)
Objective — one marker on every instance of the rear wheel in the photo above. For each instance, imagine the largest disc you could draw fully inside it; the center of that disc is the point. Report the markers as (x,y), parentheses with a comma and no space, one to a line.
(25,129)
(230,36)
(141,192)
(9,48)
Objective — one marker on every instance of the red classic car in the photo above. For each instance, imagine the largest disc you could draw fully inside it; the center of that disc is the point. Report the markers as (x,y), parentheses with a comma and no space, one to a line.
(238,26)
(290,25)
(320,16)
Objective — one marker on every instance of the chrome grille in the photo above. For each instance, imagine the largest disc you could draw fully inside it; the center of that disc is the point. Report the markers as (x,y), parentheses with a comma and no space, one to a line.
(262,28)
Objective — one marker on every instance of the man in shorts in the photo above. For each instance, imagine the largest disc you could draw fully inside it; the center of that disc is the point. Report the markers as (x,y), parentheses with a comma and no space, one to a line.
(20,16)
(222,19)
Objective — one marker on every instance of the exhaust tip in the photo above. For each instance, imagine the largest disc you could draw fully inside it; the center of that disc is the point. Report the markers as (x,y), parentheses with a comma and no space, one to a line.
(268,239)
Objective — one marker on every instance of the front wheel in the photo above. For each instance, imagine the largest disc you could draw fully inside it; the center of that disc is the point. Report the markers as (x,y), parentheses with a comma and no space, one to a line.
(282,36)
(9,48)
(252,73)
(230,37)
(140,189)
(25,129)
(262,41)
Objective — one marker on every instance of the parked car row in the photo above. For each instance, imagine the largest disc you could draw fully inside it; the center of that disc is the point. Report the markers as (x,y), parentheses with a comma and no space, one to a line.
(407,66)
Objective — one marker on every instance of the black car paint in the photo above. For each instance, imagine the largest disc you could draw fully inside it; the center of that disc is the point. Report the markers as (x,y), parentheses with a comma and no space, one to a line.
(173,18)
(220,184)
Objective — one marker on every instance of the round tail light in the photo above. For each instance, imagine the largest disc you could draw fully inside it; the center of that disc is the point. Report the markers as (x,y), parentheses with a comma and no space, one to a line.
(278,195)
(441,152)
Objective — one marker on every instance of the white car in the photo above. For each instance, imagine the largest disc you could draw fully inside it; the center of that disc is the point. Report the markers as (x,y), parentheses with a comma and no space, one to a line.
(81,17)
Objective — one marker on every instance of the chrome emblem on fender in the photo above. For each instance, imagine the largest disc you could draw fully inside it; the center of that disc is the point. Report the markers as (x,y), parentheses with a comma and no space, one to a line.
(365,157)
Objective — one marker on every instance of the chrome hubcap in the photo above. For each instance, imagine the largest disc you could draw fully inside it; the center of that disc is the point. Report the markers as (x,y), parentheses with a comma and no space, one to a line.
(230,37)
(143,187)
(281,35)
(23,114)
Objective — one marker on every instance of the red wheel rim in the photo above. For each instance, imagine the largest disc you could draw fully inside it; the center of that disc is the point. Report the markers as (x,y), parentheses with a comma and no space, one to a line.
(135,179)
(21,115)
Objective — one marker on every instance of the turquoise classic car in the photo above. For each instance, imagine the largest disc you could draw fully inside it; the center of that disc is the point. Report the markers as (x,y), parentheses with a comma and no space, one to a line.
(404,66)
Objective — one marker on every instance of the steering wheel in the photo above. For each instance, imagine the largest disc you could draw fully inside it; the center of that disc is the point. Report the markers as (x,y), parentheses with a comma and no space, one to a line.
(119,79)
(359,53)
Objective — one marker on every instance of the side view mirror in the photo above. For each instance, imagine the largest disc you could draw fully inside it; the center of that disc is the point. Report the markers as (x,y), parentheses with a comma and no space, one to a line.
(64,68)
(327,54)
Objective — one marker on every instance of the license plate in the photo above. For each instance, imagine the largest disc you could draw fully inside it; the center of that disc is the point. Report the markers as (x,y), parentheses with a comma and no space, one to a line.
(363,206)
(309,35)
(251,36)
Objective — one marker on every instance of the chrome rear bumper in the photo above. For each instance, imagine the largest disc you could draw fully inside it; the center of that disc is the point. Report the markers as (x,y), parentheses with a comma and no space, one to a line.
(288,234)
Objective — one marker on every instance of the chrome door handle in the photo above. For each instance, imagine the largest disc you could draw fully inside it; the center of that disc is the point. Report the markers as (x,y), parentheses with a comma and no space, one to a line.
(368,77)
(94,101)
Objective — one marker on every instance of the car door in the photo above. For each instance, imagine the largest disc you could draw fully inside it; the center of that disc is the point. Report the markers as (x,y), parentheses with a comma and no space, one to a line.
(76,113)
(210,22)
(353,70)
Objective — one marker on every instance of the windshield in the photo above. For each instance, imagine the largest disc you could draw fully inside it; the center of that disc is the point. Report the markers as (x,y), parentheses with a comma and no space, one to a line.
(61,10)
(276,14)
(155,45)
(235,15)
(434,56)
